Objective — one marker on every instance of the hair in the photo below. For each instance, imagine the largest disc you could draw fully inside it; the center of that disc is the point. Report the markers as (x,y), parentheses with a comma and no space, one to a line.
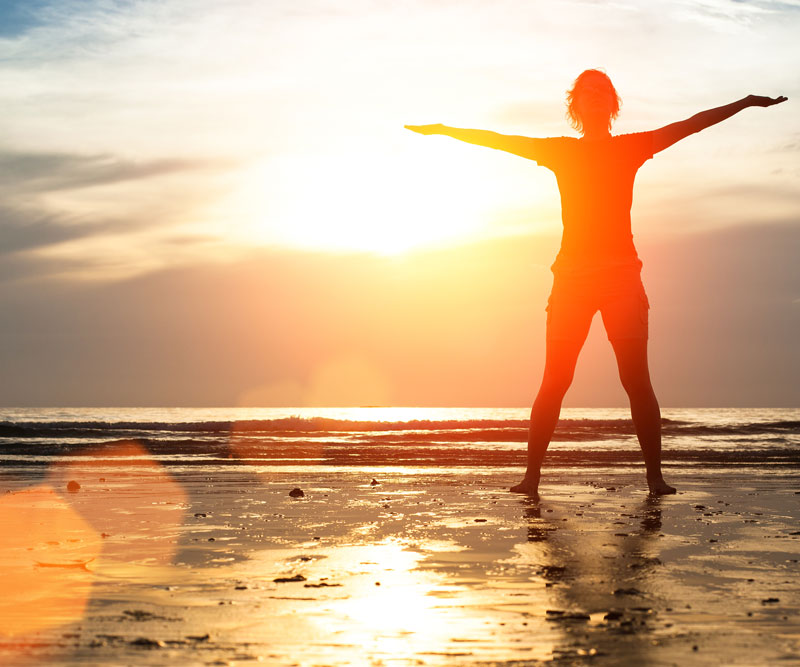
(572,113)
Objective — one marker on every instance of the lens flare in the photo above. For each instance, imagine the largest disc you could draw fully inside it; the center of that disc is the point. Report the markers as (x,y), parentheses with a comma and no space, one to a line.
(47,554)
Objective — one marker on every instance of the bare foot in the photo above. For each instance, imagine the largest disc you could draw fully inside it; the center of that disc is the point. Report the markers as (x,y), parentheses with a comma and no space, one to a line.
(659,487)
(529,485)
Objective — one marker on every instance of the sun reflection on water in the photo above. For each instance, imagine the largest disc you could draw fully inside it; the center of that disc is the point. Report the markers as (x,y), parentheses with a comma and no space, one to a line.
(380,597)
(397,604)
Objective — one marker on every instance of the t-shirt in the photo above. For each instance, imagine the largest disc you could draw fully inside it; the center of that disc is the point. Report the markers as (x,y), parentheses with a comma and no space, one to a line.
(595,179)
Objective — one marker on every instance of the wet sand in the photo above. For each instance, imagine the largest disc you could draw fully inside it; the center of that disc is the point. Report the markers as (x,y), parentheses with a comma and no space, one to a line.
(428,566)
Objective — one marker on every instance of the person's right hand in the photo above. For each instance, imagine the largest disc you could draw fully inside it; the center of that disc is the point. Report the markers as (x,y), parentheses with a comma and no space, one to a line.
(426,129)
(760,101)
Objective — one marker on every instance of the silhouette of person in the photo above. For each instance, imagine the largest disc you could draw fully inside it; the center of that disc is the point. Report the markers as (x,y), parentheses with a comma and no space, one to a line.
(597,267)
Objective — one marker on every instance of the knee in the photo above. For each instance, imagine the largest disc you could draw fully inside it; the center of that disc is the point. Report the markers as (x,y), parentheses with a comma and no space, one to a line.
(636,385)
(555,385)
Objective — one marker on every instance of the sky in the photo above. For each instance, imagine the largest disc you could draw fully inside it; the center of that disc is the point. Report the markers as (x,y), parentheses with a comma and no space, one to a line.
(209,203)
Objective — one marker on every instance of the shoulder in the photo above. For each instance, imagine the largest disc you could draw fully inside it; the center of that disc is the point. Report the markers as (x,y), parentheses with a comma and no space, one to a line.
(637,144)
(551,152)
(633,138)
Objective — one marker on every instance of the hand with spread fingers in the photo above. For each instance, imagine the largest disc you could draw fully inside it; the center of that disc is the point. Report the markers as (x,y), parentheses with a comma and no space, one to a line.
(761,101)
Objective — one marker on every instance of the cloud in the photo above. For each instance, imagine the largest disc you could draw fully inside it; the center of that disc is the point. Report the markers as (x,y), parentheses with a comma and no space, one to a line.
(24,229)
(45,172)
(134,96)
(44,210)
(721,14)
(20,268)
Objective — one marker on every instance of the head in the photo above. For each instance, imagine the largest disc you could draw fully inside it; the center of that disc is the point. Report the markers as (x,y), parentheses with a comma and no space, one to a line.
(592,99)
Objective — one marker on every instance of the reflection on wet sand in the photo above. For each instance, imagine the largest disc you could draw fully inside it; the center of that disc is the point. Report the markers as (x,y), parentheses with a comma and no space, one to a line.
(389,604)
(599,576)
(424,567)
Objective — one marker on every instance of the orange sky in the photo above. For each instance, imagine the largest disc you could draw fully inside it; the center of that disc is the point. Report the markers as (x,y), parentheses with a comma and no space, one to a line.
(216,204)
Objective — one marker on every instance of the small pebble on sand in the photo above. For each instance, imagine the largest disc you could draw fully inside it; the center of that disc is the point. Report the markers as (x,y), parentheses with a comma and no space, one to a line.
(285,580)
(297,493)
(73,486)
(145,642)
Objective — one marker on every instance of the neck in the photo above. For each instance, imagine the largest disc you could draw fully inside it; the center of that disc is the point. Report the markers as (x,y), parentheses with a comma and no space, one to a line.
(595,127)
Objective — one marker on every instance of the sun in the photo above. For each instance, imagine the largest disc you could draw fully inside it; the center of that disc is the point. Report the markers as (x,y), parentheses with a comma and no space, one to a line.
(383,202)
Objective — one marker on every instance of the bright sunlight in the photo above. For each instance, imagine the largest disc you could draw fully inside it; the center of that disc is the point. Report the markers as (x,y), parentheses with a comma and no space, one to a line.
(386,203)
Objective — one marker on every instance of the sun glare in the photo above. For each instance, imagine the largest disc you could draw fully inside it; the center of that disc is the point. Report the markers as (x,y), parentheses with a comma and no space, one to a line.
(386,203)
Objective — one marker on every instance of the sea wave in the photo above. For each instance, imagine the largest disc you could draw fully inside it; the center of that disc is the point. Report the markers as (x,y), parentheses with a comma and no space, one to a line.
(478,430)
(454,429)
(408,442)
(193,453)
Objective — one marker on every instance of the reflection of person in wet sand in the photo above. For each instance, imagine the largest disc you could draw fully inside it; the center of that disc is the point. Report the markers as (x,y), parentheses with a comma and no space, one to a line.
(597,267)
(589,572)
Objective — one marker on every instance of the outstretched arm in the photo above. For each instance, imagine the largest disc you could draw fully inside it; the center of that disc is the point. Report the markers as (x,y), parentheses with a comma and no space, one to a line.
(523,146)
(666,136)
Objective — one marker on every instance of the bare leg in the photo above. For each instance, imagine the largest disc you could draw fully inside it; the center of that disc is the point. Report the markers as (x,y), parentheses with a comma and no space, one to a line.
(635,375)
(559,368)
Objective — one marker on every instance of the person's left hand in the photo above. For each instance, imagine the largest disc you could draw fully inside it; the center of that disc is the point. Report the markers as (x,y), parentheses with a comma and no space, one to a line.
(761,101)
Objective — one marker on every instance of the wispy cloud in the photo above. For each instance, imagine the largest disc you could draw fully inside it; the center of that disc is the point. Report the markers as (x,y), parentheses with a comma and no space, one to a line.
(25,229)
(152,110)
(45,172)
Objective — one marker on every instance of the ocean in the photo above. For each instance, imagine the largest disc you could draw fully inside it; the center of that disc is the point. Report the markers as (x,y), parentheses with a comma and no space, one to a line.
(378,436)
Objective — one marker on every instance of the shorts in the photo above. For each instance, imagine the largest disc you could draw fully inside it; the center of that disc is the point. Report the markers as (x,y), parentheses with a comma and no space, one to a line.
(619,296)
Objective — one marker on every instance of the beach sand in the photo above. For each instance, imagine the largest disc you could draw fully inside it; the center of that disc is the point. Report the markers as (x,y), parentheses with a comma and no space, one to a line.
(429,566)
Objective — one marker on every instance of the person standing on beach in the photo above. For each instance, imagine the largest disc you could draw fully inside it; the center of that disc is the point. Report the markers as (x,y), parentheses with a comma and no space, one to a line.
(597,267)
